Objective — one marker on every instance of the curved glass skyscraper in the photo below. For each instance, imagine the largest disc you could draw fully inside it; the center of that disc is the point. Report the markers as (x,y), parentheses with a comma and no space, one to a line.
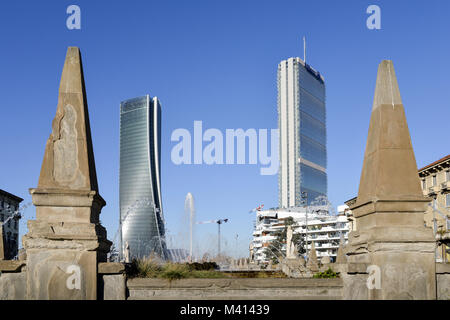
(302,127)
(141,214)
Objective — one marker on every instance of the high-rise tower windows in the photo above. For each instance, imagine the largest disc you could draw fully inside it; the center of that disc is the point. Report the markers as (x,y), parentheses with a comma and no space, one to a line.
(141,215)
(302,126)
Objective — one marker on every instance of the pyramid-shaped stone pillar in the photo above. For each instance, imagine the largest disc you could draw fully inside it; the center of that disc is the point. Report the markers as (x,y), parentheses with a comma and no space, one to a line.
(313,263)
(340,257)
(66,241)
(390,206)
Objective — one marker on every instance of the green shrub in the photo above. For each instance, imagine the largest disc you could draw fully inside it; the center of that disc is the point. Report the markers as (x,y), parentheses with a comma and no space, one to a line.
(145,268)
(174,271)
(152,268)
(202,266)
(329,273)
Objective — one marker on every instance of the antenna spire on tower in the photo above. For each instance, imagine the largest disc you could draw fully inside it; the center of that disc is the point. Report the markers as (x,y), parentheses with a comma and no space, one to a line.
(304,49)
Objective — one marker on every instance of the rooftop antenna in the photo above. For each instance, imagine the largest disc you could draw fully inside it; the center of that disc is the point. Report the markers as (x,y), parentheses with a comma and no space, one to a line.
(304,49)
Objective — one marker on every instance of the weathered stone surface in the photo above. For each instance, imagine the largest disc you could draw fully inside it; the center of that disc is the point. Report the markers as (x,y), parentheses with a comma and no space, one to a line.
(443,268)
(325,260)
(355,286)
(80,206)
(111,267)
(69,157)
(13,286)
(340,257)
(290,246)
(357,267)
(22,255)
(54,274)
(66,230)
(66,241)
(443,281)
(390,206)
(313,263)
(235,289)
(339,268)
(11,265)
(114,287)
(389,170)
(443,286)
(294,268)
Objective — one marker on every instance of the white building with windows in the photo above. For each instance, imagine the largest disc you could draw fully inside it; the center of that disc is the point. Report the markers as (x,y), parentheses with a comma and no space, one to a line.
(315,223)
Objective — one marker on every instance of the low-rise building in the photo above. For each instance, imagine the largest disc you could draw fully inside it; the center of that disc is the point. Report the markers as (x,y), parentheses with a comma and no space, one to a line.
(435,179)
(315,224)
(9,218)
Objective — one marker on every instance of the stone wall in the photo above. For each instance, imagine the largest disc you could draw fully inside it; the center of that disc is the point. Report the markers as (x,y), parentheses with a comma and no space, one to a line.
(112,281)
(354,277)
(13,279)
(13,286)
(113,285)
(443,281)
(235,289)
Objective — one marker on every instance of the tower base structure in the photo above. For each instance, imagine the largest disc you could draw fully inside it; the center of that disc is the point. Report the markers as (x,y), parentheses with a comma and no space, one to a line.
(395,249)
(63,253)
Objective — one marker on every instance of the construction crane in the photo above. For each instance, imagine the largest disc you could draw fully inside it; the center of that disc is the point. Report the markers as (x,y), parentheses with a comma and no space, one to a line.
(219,222)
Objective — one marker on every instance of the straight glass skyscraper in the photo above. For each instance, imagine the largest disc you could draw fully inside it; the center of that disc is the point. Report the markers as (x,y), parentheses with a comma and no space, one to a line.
(141,214)
(302,128)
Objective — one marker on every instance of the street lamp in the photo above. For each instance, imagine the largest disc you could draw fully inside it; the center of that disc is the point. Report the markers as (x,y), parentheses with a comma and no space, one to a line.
(305,205)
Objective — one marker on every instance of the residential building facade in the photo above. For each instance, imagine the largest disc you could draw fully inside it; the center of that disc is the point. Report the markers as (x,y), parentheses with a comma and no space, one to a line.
(302,133)
(317,226)
(435,179)
(141,214)
(9,218)
(345,209)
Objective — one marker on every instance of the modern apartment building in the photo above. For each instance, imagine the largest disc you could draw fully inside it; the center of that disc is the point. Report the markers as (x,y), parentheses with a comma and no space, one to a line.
(318,226)
(435,179)
(141,214)
(302,129)
(9,219)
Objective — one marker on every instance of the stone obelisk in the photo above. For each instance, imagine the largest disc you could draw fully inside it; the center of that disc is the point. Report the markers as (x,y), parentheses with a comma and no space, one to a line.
(340,257)
(66,241)
(390,206)
(313,263)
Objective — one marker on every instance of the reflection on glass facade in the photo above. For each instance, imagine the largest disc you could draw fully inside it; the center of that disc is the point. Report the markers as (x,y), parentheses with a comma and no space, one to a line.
(302,125)
(141,216)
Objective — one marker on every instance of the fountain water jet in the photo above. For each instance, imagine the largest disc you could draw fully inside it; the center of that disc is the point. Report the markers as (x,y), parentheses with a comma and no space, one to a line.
(189,210)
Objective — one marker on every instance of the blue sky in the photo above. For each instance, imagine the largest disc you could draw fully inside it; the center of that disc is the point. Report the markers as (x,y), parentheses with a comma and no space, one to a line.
(216,61)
